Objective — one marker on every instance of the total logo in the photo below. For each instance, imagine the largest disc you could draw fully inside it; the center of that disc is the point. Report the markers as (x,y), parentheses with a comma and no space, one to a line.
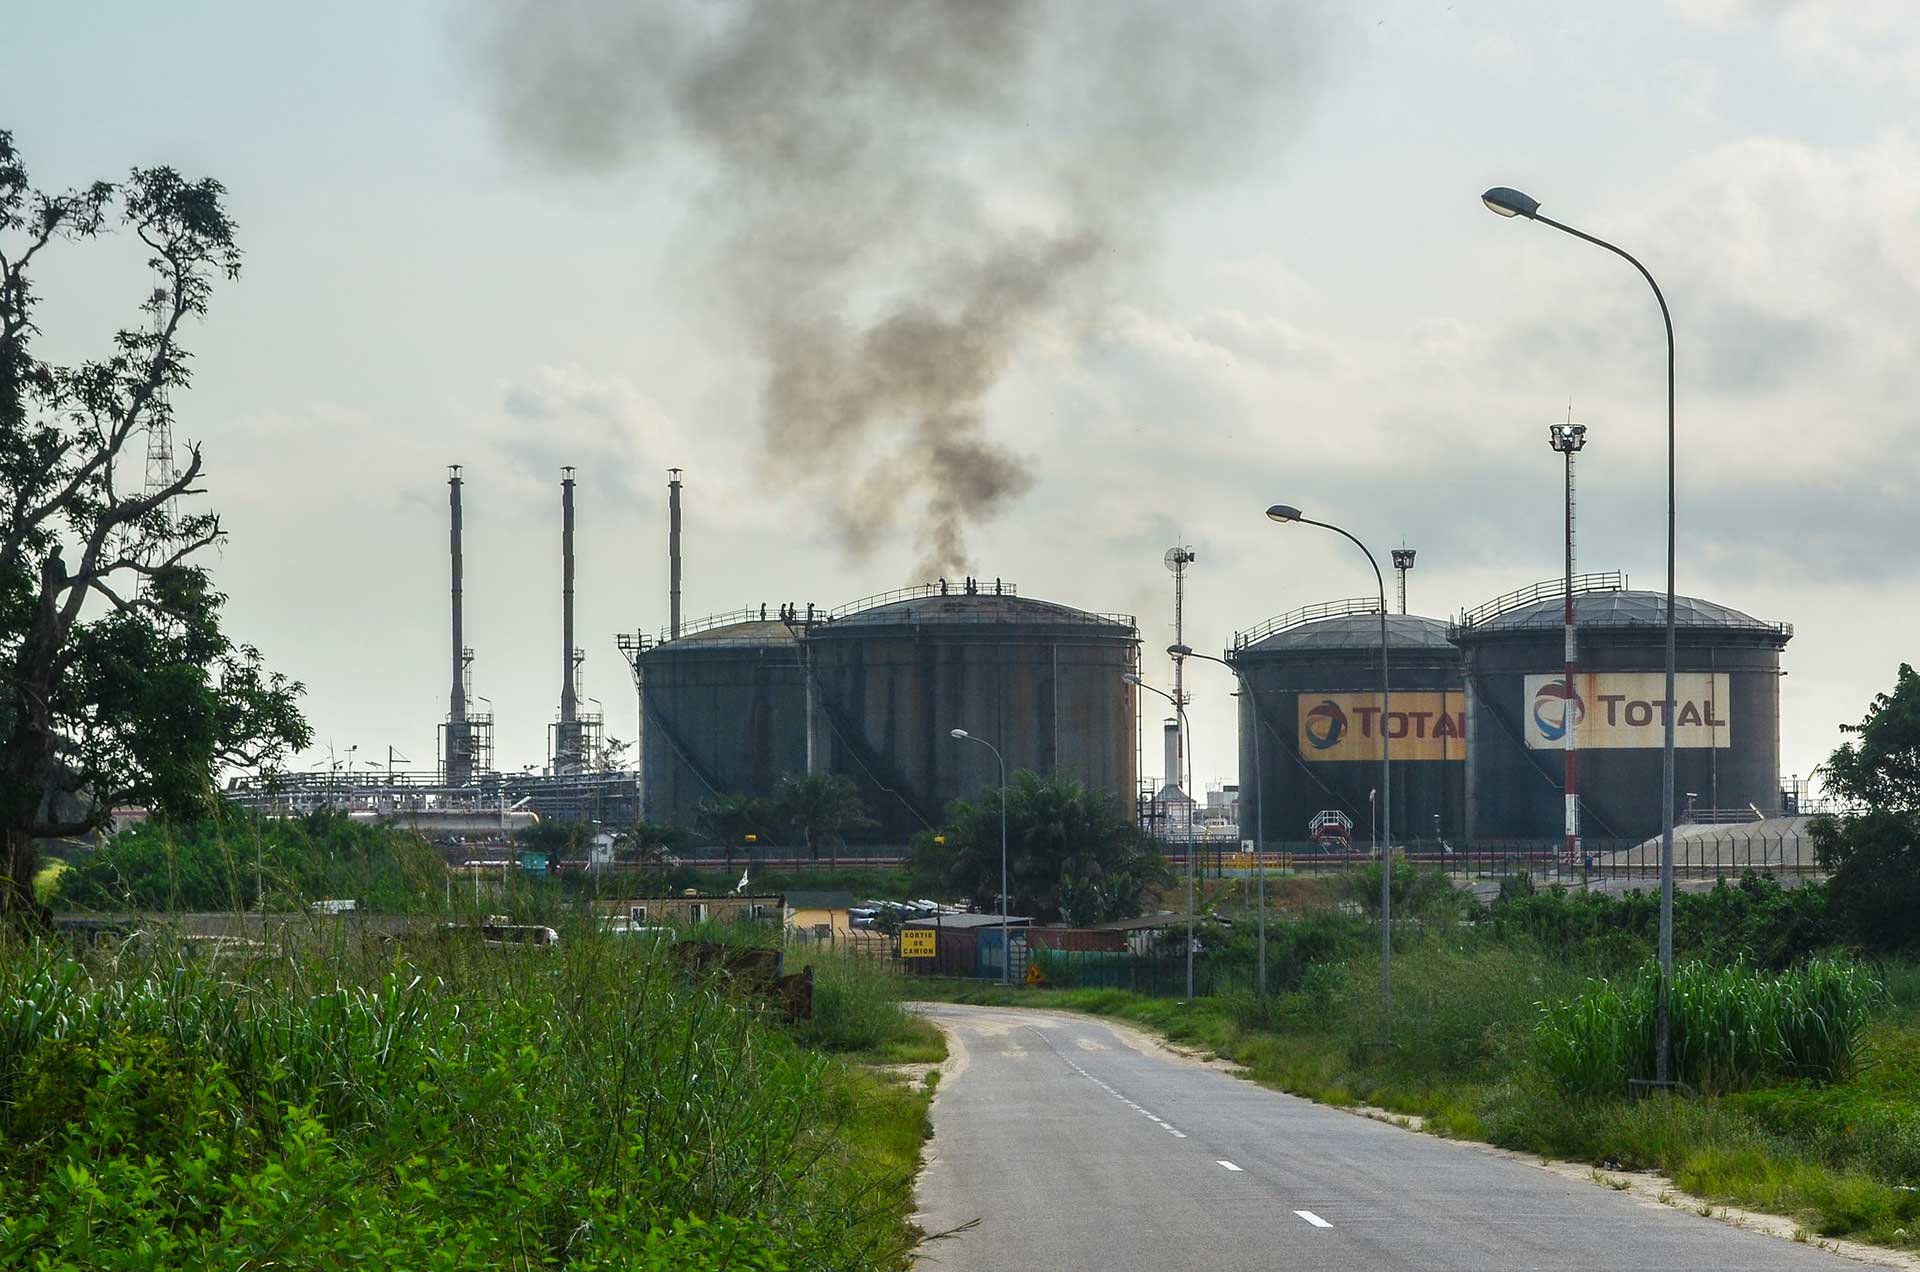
(1326,724)
(1556,706)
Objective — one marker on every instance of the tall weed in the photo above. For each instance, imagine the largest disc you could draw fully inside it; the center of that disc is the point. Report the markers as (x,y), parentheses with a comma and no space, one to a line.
(428,1102)
(1731,1028)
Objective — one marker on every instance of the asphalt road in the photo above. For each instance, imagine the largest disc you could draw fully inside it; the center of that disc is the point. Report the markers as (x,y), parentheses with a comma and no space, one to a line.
(1077,1148)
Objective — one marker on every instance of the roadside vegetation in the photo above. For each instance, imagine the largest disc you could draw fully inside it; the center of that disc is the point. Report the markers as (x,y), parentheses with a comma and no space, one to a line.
(232,860)
(434,1103)
(240,861)
(1073,854)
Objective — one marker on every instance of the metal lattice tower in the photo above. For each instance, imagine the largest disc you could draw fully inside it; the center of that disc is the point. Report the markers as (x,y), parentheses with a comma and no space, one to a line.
(1568,439)
(161,472)
(1403,562)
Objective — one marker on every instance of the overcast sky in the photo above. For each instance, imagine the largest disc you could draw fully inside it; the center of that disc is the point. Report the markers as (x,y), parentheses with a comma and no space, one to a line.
(1307,304)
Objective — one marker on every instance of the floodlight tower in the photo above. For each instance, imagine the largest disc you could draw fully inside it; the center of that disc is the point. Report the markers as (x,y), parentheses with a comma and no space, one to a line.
(1402,562)
(1568,439)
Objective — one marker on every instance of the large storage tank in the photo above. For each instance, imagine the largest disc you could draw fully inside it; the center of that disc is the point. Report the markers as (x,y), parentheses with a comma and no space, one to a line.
(724,709)
(1727,721)
(1315,678)
(895,673)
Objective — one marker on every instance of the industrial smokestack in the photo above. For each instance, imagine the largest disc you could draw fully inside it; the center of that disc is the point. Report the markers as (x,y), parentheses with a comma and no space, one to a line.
(457,703)
(1173,754)
(673,553)
(568,704)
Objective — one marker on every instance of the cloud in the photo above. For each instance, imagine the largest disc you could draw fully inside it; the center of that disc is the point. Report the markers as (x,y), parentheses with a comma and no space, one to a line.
(1498,50)
(1694,85)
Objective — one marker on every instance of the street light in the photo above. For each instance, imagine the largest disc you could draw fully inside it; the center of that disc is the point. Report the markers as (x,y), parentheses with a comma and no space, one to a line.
(1509,202)
(1006,946)
(1185,732)
(1286,513)
(1259,799)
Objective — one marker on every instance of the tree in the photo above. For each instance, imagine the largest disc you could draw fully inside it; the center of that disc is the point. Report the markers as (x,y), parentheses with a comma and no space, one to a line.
(651,844)
(554,839)
(1873,849)
(119,685)
(822,807)
(1072,854)
(729,819)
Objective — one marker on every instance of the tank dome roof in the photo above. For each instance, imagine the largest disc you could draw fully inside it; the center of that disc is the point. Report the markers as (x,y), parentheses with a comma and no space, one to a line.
(1348,632)
(1619,609)
(957,607)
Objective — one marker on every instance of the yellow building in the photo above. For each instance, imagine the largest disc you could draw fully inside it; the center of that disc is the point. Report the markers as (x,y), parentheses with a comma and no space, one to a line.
(819,916)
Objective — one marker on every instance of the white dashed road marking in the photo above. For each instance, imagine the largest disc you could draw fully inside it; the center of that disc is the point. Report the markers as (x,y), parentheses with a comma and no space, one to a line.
(1149,1115)
(1313,1219)
(1229,1165)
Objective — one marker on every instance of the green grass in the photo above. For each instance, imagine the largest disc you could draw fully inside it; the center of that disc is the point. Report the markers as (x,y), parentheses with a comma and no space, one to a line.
(857,1012)
(435,1103)
(46,881)
(1834,1155)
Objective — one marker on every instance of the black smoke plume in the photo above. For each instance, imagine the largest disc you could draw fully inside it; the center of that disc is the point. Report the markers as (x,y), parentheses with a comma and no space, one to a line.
(900,195)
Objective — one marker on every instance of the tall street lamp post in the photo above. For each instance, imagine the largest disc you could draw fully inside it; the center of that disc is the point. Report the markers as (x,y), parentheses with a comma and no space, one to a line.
(1259,799)
(1006,944)
(1284,514)
(1510,202)
(1187,733)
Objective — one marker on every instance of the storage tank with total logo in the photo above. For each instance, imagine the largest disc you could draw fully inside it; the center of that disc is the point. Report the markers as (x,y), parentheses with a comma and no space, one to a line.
(1315,678)
(1726,710)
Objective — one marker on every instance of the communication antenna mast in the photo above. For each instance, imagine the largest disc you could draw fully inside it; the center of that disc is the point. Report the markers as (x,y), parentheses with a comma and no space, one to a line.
(1177,559)
(161,472)
(1402,562)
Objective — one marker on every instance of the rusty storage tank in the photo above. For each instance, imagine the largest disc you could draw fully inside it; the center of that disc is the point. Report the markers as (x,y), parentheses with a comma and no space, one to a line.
(894,674)
(1727,721)
(723,710)
(1315,680)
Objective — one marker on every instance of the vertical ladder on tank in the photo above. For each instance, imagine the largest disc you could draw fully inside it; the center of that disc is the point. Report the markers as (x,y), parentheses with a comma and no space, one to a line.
(1143,792)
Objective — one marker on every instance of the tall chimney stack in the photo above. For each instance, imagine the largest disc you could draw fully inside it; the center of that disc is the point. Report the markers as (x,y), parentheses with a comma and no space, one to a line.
(458,752)
(673,553)
(457,703)
(1172,737)
(568,704)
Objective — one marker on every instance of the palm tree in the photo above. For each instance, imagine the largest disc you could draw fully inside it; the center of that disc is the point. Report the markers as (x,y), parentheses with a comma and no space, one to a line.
(729,818)
(822,807)
(1074,854)
(648,843)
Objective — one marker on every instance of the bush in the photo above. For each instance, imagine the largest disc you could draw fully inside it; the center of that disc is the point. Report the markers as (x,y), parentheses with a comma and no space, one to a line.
(1416,893)
(1753,920)
(1876,877)
(438,1104)
(1731,1028)
(236,861)
(856,1008)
